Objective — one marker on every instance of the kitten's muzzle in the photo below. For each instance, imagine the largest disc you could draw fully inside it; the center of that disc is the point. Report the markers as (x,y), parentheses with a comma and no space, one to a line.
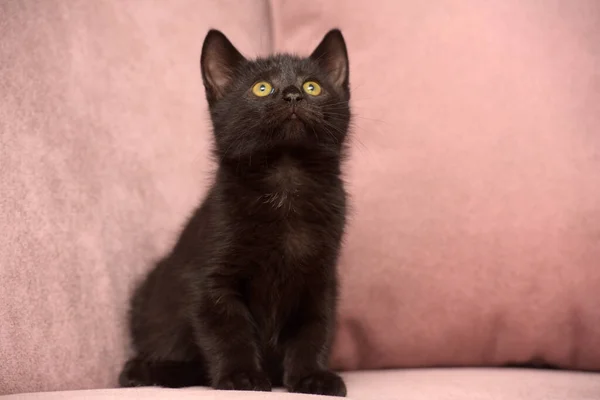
(292,95)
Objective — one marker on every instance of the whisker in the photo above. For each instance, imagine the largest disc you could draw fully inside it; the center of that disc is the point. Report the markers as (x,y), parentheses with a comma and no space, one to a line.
(359,117)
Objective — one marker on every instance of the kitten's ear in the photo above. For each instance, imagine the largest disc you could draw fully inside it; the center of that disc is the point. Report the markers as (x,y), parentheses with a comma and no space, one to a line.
(331,54)
(218,62)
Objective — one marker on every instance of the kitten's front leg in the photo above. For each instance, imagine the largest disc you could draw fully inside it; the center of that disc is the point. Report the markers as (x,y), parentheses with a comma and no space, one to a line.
(224,332)
(307,349)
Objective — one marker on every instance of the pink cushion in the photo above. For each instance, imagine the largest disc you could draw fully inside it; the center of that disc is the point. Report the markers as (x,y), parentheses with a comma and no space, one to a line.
(103,153)
(450,384)
(475,177)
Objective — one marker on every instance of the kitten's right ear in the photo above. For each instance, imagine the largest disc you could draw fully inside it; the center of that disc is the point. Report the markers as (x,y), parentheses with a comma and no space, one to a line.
(218,62)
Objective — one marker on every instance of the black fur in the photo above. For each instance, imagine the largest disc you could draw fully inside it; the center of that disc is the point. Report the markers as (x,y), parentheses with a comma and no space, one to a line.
(247,297)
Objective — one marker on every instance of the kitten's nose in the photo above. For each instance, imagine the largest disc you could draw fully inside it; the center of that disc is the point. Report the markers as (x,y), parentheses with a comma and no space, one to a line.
(292,94)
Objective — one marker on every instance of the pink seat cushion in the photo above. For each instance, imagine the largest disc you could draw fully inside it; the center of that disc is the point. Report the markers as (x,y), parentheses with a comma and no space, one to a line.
(450,384)
(475,177)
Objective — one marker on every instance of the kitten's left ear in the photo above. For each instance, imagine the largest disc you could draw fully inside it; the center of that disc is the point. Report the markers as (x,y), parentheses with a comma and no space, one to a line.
(218,62)
(331,54)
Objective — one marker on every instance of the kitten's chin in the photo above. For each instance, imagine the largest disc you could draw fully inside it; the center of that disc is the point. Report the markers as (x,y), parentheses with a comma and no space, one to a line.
(293,128)
(293,120)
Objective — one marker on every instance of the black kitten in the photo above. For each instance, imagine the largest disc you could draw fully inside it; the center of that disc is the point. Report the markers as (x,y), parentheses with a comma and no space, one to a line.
(247,297)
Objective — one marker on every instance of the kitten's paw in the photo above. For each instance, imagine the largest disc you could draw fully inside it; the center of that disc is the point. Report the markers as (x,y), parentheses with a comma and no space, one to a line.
(321,382)
(133,374)
(245,381)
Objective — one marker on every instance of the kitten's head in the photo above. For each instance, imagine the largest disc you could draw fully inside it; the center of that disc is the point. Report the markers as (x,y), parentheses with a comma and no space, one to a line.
(280,101)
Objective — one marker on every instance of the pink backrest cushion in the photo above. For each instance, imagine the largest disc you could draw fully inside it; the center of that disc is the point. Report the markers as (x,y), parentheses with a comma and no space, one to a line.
(475,177)
(103,154)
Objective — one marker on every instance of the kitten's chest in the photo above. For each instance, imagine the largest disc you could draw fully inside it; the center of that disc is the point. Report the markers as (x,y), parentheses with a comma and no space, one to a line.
(302,206)
(286,183)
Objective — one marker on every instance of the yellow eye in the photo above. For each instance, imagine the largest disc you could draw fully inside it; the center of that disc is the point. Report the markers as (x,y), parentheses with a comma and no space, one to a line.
(312,88)
(262,89)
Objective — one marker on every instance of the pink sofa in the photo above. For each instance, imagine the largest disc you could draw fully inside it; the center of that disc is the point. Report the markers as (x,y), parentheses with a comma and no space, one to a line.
(474,240)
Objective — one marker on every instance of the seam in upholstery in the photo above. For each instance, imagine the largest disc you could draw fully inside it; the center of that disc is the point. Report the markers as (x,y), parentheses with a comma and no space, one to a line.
(272,17)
